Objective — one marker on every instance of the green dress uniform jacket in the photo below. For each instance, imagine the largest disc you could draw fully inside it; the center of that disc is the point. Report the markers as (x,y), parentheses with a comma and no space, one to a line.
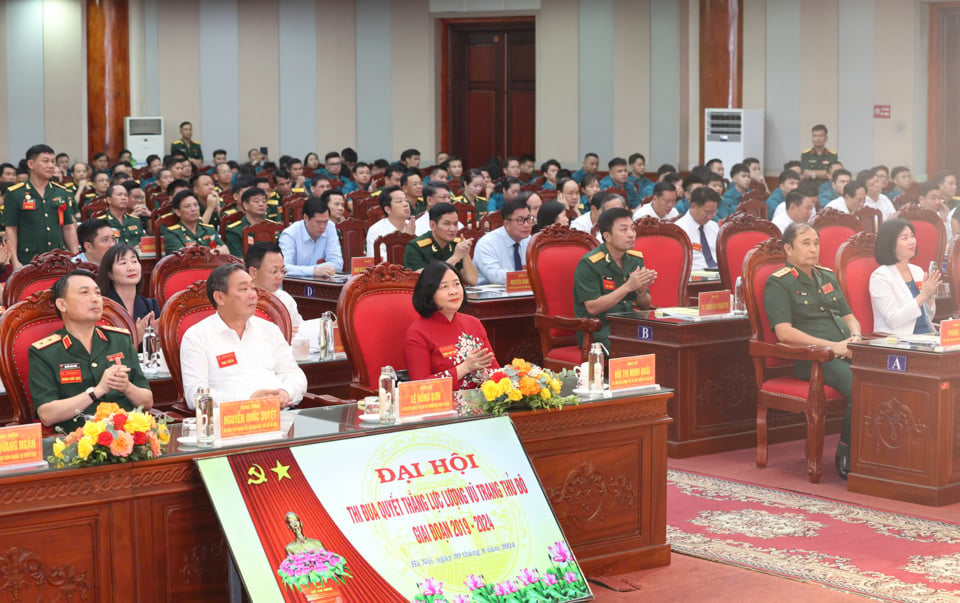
(597,275)
(480,203)
(39,219)
(190,150)
(60,367)
(177,237)
(424,249)
(129,231)
(274,207)
(811,160)
(233,236)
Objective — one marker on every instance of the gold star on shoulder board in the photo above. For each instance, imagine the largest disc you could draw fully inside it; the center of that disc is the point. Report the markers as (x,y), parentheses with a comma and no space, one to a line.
(282,471)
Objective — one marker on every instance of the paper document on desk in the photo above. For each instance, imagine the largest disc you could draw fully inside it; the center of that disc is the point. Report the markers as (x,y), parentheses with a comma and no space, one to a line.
(678,312)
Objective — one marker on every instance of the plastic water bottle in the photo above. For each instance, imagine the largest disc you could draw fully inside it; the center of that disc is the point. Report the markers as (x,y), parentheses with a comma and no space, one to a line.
(595,364)
(388,395)
(327,319)
(151,349)
(738,306)
(206,436)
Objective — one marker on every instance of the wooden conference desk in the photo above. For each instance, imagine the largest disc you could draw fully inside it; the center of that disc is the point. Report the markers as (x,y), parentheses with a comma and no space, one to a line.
(906,422)
(708,364)
(146,531)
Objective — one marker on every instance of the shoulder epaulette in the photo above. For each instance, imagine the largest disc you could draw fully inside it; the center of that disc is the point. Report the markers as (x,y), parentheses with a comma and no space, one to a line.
(207,225)
(481,198)
(635,253)
(233,225)
(195,141)
(16,186)
(782,272)
(830,151)
(806,150)
(178,141)
(46,341)
(298,189)
(114,329)
(56,184)
(824,268)
(596,257)
(271,221)
(375,193)
(425,242)
(174,227)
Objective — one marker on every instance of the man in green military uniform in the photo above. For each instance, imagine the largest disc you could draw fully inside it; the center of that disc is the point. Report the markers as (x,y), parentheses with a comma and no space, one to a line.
(126,228)
(190,230)
(611,278)
(805,307)
(815,161)
(37,212)
(254,204)
(186,146)
(83,363)
(442,244)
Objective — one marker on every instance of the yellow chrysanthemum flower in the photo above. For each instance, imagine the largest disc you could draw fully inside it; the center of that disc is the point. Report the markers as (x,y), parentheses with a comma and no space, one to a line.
(85,447)
(514,395)
(163,434)
(505,385)
(93,429)
(555,385)
(490,391)
(545,394)
(58,446)
(136,421)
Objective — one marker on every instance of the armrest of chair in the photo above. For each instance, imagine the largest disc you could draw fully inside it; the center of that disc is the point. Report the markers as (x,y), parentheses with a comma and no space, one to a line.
(786,351)
(590,325)
(315,400)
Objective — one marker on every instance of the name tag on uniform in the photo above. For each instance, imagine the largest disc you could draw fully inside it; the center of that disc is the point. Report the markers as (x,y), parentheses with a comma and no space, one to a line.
(70,373)
(225,360)
(448,351)
(608,284)
(696,246)
(115,357)
(31,204)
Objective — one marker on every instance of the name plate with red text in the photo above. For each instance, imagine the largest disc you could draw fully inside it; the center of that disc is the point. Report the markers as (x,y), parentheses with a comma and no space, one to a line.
(713,303)
(337,342)
(950,332)
(633,371)
(426,397)
(148,245)
(249,417)
(518,281)
(358,265)
(21,445)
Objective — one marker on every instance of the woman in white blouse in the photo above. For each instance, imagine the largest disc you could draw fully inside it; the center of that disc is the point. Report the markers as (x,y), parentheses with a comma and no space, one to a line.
(903,300)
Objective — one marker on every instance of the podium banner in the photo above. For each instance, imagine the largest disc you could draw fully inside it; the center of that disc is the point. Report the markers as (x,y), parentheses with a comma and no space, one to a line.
(442,514)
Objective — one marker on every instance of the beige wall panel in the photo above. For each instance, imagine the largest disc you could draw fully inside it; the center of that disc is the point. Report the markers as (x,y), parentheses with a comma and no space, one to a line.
(5,154)
(64,74)
(631,81)
(690,95)
(414,79)
(337,77)
(818,67)
(754,54)
(179,67)
(138,82)
(259,79)
(893,139)
(558,104)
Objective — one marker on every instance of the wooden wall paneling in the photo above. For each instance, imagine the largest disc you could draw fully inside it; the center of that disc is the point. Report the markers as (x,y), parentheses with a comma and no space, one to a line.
(721,57)
(108,75)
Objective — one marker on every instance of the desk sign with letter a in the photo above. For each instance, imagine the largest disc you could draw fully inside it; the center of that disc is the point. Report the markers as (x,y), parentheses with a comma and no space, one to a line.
(950,332)
(713,303)
(633,371)
(426,397)
(518,281)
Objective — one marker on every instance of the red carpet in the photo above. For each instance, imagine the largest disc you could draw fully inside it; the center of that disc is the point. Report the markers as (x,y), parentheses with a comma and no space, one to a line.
(889,556)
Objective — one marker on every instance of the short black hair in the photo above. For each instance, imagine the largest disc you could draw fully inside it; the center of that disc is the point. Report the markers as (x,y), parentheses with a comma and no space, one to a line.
(408,153)
(712,161)
(788,175)
(179,197)
(885,250)
(926,187)
(850,188)
(114,254)
(794,230)
(250,193)
(841,172)
(689,181)
(348,155)
(87,230)
(607,218)
(427,286)
(315,205)
(942,176)
(220,152)
(702,195)
(185,123)
(59,288)
(615,162)
(330,192)
(546,164)
(385,196)
(666,168)
(548,214)
(219,280)
(663,187)
(407,175)
(748,161)
(633,158)
(864,175)
(38,149)
(441,209)
(589,155)
(598,200)
(429,190)
(898,170)
(179,183)
(512,206)
(795,197)
(819,127)
(257,251)
(281,173)
(792,164)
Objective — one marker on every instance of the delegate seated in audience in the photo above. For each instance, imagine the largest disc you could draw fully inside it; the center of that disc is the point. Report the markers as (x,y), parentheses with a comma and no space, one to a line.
(410,159)
(265,265)
(903,299)
(662,204)
(505,191)
(96,237)
(756,173)
(441,243)
(902,180)
(319,185)
(189,230)
(568,194)
(591,163)
(599,203)
(238,355)
(947,182)
(827,191)
(826,321)
(432,194)
(799,207)
(504,249)
(454,167)
(473,192)
(854,195)
(438,175)
(412,186)
(588,188)
(119,279)
(528,166)
(699,225)
(445,342)
(254,205)
(611,277)
(638,175)
(930,199)
(396,207)
(739,185)
(550,169)
(533,202)
(789,180)
(83,363)
(311,247)
(874,193)
(617,178)
(208,198)
(126,228)
(551,212)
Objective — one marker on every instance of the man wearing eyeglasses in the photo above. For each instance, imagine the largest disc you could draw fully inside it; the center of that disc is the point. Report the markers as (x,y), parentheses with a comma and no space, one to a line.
(504,249)
(264,262)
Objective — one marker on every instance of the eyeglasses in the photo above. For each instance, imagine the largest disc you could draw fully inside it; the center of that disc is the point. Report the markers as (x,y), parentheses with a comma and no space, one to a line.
(527,220)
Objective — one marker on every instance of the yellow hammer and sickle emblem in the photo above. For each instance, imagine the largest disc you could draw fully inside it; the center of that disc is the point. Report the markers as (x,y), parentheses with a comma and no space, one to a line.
(257,474)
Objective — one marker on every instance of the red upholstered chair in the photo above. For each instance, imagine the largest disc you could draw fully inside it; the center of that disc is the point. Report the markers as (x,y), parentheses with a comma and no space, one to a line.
(834,229)
(552,258)
(374,311)
(374,215)
(773,364)
(666,249)
(455,185)
(42,271)
(26,322)
(467,214)
(855,264)
(620,191)
(182,268)
(265,231)
(362,210)
(189,306)
(911,196)
(753,207)
(293,208)
(226,220)
(353,239)
(870,218)
(396,243)
(931,234)
(530,188)
(354,200)
(547,194)
(739,234)
(96,207)
(753,194)
(491,221)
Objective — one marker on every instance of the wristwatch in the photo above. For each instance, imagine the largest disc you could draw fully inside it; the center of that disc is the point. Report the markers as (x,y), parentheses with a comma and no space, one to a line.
(93,396)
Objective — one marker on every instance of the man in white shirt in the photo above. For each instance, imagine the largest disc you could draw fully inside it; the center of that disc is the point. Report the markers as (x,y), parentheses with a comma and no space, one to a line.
(394,204)
(433,193)
(800,205)
(504,249)
(662,205)
(875,197)
(238,355)
(699,225)
(854,195)
(599,203)
(265,264)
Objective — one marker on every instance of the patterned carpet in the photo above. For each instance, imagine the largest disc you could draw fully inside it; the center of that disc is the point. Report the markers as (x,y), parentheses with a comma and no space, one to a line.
(888,556)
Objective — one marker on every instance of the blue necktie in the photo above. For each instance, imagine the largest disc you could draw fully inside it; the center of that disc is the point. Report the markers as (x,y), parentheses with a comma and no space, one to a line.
(705,249)
(517,264)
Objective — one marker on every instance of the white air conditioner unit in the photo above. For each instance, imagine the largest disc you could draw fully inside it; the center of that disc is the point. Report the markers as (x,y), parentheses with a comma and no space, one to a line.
(143,136)
(732,135)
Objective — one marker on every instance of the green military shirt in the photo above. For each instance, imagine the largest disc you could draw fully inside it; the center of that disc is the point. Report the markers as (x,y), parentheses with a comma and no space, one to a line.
(190,150)
(128,231)
(812,305)
(597,275)
(61,367)
(480,203)
(811,160)
(38,218)
(274,207)
(233,236)
(424,249)
(178,236)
